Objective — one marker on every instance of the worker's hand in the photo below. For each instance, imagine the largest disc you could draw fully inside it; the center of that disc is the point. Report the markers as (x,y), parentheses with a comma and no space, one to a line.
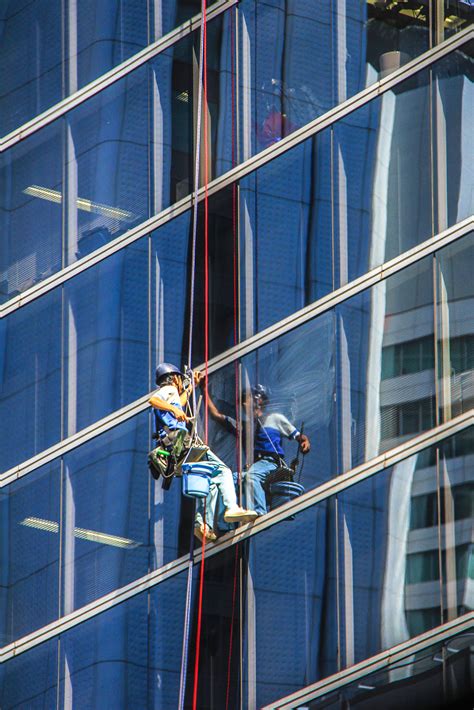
(304,443)
(179,414)
(199,377)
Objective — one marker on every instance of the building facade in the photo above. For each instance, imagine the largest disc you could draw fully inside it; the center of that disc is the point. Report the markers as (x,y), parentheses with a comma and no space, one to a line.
(282,192)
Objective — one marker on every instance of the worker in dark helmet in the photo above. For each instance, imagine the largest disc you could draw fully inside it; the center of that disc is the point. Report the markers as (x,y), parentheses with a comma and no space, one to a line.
(269,430)
(168,403)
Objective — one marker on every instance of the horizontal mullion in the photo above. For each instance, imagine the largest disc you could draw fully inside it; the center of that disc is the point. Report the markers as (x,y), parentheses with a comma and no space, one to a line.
(242,170)
(253,343)
(307,500)
(375,663)
(110,77)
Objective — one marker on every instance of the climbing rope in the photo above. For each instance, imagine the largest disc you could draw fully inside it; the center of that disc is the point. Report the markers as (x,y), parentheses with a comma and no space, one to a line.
(188,605)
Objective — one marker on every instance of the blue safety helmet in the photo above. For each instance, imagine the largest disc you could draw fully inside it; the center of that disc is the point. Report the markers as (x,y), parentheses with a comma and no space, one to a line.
(261,391)
(164,369)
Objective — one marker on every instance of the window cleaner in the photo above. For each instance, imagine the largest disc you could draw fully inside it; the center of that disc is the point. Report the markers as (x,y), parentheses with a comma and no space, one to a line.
(174,447)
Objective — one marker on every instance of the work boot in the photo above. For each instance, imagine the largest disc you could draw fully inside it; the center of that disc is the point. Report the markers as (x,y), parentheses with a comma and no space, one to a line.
(236,514)
(201,530)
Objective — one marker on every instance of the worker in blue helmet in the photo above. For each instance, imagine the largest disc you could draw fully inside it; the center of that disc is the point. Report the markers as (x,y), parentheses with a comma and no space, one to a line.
(268,432)
(169,402)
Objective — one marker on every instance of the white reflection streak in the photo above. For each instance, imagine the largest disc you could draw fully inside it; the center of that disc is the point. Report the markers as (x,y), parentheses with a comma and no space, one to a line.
(81,533)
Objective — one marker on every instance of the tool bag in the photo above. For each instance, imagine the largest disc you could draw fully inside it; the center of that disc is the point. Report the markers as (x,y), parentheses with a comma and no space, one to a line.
(171,450)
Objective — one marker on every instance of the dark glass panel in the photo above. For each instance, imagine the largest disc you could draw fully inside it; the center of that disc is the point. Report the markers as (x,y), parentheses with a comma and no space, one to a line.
(30,379)
(29,553)
(437,676)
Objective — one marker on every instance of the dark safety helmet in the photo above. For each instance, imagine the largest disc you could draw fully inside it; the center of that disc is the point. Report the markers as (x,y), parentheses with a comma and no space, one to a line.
(261,391)
(164,369)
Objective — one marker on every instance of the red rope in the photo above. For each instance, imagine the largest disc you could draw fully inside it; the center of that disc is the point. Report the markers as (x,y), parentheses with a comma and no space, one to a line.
(234,595)
(206,335)
(206,223)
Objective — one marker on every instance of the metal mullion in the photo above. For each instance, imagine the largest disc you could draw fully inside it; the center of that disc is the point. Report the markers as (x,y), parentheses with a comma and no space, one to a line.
(379,662)
(307,500)
(253,343)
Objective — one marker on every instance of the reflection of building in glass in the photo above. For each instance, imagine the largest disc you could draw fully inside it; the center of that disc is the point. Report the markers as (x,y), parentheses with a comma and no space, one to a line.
(338,237)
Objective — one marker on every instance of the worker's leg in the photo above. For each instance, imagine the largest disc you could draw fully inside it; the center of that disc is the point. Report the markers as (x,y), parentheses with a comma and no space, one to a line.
(253,485)
(233,512)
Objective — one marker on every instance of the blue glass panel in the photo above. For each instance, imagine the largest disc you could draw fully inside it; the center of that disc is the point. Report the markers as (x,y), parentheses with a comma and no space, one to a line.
(286,234)
(29,553)
(386,568)
(30,679)
(30,59)
(454,86)
(104,660)
(298,370)
(457,516)
(377,413)
(108,164)
(320,54)
(30,211)
(382,179)
(108,33)
(105,519)
(30,379)
(128,656)
(291,596)
(106,336)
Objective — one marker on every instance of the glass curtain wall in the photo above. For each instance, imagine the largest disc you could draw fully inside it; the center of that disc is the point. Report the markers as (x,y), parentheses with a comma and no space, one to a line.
(382,544)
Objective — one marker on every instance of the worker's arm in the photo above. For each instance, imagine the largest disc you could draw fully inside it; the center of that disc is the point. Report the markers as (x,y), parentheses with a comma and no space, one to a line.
(304,443)
(159,403)
(200,379)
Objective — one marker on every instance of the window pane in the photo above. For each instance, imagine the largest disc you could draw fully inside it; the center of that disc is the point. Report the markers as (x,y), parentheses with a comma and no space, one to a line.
(286,84)
(133,648)
(455,326)
(29,553)
(106,336)
(285,234)
(457,477)
(29,680)
(386,568)
(382,178)
(31,185)
(30,379)
(30,59)
(105,518)
(290,637)
(376,414)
